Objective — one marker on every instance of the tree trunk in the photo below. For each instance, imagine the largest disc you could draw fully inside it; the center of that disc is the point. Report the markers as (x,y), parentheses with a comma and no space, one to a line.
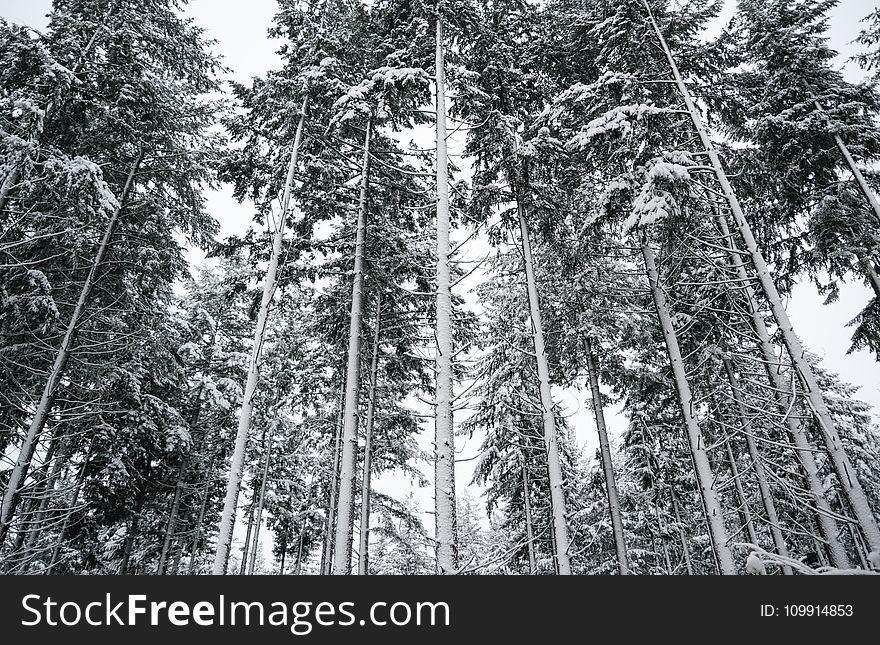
(758,465)
(685,549)
(364,546)
(245,551)
(745,513)
(172,521)
(702,468)
(527,505)
(348,465)
(194,551)
(444,439)
(259,520)
(327,555)
(846,474)
(607,463)
(44,407)
(129,540)
(233,486)
(551,441)
(802,445)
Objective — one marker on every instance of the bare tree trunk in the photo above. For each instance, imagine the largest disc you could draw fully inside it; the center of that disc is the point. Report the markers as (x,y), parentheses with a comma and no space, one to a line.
(131,536)
(758,465)
(745,513)
(869,195)
(327,555)
(245,551)
(607,463)
(172,522)
(846,474)
(797,433)
(194,551)
(44,407)
(364,546)
(444,438)
(702,467)
(551,441)
(686,551)
(233,486)
(348,465)
(527,504)
(259,520)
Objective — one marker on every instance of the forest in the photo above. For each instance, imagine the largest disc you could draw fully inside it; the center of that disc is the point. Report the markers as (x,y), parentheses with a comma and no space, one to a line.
(630,209)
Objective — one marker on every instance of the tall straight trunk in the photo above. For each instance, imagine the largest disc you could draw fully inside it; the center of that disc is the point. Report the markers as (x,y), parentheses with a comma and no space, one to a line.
(846,474)
(10,181)
(297,567)
(527,505)
(364,546)
(247,539)
(869,195)
(745,512)
(663,540)
(172,522)
(259,520)
(551,441)
(197,533)
(758,466)
(444,439)
(348,465)
(283,557)
(71,505)
(44,407)
(702,467)
(682,536)
(607,463)
(236,467)
(797,433)
(46,485)
(128,546)
(327,555)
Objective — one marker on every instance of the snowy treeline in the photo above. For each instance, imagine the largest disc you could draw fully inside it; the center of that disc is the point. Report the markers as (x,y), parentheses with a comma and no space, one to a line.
(647,198)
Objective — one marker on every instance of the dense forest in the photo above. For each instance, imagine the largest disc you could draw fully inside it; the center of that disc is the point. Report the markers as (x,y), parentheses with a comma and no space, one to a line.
(645,198)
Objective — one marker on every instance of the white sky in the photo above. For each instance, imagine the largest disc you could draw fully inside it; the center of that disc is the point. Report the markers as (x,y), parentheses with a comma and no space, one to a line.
(240,31)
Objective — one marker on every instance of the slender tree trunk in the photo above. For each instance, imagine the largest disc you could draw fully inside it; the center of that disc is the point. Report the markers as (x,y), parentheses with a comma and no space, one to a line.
(128,547)
(233,486)
(745,512)
(297,568)
(846,474)
(444,438)
(283,557)
(47,484)
(702,467)
(607,463)
(172,521)
(259,520)
(74,498)
(869,195)
(348,465)
(527,504)
(327,555)
(685,549)
(551,442)
(364,546)
(44,407)
(663,540)
(247,539)
(802,445)
(758,465)
(194,550)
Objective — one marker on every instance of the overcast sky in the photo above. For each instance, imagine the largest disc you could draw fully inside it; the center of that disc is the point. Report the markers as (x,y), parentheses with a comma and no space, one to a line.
(239,27)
